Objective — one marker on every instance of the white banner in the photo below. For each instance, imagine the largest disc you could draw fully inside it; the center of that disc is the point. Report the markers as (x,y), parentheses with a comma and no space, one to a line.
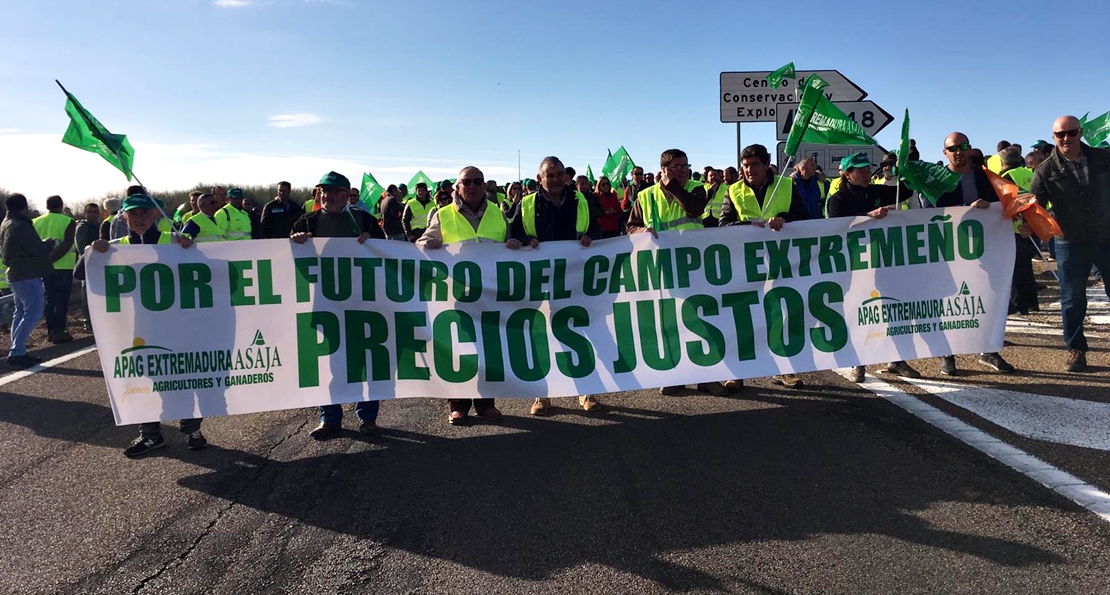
(240,327)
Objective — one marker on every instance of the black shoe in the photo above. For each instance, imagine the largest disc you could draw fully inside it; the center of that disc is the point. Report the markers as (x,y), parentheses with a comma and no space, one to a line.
(23,361)
(948,365)
(144,444)
(671,391)
(60,337)
(995,362)
(367,428)
(325,431)
(901,368)
(196,440)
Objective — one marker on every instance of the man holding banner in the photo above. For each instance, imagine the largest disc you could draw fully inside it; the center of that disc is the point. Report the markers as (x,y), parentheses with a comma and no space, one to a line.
(676,203)
(138,211)
(469,217)
(753,198)
(974,190)
(336,219)
(557,212)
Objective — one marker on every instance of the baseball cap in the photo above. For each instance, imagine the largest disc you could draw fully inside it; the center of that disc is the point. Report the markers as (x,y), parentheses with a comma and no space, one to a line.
(857,159)
(334,179)
(138,201)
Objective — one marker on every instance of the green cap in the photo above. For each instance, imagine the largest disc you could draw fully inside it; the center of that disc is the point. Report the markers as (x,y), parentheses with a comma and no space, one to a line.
(334,179)
(138,201)
(1041,143)
(234,193)
(857,159)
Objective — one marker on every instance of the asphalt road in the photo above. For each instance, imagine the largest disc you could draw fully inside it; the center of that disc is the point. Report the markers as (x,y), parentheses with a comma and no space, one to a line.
(824,489)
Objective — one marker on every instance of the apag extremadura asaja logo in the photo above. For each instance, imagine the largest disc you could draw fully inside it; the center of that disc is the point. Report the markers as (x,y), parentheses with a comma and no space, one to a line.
(204,368)
(922,316)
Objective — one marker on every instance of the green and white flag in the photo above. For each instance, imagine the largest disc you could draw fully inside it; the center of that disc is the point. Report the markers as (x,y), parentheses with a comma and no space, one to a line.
(87,133)
(1096,131)
(785,72)
(370,192)
(822,122)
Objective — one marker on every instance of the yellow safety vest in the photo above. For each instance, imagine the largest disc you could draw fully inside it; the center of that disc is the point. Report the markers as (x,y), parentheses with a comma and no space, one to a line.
(165,238)
(747,206)
(187,216)
(663,214)
(54,225)
(235,223)
(3,275)
(420,213)
(528,214)
(994,163)
(165,224)
(455,228)
(209,230)
(716,202)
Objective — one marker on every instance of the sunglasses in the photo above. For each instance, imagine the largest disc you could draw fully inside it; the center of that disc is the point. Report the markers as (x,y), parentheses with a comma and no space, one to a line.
(959,147)
(1074,132)
(472,181)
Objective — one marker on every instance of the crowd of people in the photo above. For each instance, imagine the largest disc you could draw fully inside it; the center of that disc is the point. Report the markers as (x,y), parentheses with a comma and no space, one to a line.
(44,255)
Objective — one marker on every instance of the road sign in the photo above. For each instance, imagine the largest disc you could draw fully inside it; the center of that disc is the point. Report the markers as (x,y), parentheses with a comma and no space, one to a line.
(865,113)
(829,156)
(748,97)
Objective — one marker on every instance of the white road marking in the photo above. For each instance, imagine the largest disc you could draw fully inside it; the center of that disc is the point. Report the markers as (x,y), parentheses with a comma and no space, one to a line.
(20,375)
(1061,482)
(1085,424)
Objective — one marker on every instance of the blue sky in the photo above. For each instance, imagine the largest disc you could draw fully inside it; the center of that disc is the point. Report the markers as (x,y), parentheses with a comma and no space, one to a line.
(253,91)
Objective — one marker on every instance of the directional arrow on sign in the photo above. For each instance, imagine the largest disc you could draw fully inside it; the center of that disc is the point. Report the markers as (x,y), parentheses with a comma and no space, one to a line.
(747,97)
(867,114)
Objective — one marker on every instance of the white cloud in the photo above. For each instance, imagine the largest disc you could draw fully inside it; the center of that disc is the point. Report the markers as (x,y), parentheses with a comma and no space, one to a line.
(293,120)
(232,3)
(39,165)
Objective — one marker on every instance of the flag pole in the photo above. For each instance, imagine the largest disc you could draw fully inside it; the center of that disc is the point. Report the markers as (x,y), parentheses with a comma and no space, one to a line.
(1052,269)
(766,199)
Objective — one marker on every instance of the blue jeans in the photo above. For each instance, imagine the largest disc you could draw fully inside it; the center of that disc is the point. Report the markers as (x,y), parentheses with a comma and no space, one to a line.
(28,311)
(364,410)
(58,285)
(1073,263)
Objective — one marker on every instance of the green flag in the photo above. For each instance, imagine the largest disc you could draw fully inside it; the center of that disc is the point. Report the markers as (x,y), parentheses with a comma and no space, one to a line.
(87,133)
(811,95)
(786,72)
(416,179)
(609,163)
(590,175)
(621,170)
(621,153)
(370,192)
(904,144)
(1096,131)
(929,179)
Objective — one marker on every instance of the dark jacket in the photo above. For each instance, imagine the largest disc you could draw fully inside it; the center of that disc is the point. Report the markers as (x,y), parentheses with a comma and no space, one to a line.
(26,254)
(554,223)
(85,234)
(278,219)
(392,210)
(983,190)
(855,201)
(361,221)
(1082,212)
